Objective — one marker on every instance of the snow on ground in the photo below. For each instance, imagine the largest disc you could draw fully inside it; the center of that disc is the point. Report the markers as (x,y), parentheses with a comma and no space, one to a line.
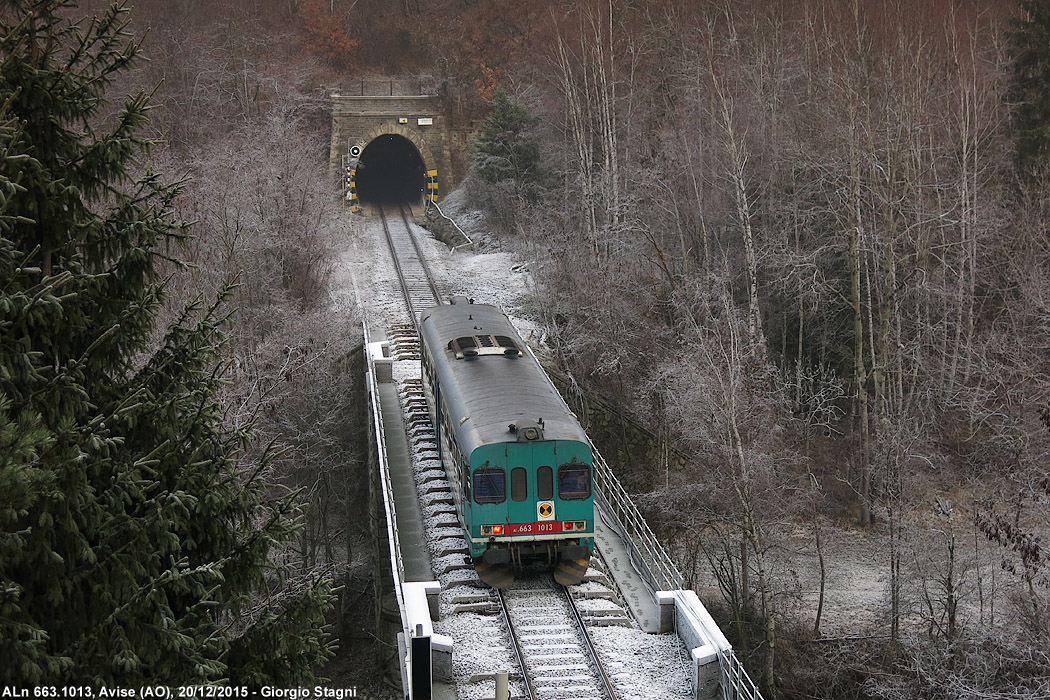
(480,644)
(630,655)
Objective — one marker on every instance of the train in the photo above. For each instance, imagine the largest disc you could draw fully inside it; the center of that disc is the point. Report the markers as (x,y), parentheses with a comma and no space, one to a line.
(519,464)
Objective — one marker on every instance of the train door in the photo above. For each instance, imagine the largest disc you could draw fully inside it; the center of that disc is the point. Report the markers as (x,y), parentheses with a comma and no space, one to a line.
(519,465)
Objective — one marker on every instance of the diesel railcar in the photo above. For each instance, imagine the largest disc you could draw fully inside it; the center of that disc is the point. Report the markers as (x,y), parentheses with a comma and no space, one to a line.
(519,463)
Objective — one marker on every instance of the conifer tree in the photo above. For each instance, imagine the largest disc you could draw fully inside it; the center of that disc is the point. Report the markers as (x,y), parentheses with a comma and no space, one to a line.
(134,541)
(1030,88)
(505,151)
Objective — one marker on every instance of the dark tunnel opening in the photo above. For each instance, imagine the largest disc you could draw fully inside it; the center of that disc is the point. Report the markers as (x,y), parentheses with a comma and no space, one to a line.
(390,170)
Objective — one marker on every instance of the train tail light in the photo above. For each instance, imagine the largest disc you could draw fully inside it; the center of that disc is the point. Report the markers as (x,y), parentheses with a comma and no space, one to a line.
(490,530)
(574,525)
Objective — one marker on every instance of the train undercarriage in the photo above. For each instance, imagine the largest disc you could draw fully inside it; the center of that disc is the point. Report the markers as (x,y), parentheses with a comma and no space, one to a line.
(500,562)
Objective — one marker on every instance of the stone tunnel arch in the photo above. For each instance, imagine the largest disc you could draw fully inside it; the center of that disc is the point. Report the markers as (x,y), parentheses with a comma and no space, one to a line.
(395,164)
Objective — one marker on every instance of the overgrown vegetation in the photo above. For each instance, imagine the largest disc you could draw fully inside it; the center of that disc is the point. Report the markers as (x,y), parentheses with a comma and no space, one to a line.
(139,529)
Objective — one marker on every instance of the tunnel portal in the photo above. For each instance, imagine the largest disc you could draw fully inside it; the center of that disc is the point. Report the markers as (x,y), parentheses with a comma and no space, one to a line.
(390,170)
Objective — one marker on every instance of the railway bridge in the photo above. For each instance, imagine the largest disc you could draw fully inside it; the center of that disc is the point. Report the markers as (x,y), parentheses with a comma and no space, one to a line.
(392,148)
(630,627)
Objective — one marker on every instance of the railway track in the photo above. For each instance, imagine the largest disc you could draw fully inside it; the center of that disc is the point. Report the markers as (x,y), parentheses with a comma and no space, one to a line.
(548,635)
(553,648)
(417,282)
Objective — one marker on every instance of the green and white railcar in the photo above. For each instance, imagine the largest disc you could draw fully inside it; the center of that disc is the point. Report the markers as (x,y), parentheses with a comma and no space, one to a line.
(518,461)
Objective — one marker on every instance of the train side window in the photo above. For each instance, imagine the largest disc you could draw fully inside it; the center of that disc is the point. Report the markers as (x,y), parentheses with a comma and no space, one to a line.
(490,485)
(574,481)
(519,487)
(544,483)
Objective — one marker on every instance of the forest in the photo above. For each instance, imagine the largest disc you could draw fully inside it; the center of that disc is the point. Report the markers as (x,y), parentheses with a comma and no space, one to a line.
(816,260)
(804,242)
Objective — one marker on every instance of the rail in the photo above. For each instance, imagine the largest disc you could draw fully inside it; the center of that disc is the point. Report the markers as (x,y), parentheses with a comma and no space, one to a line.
(603,675)
(401,267)
(515,645)
(646,551)
(542,661)
(420,256)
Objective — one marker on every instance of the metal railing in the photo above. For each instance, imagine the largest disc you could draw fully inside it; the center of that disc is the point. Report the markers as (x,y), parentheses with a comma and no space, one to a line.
(397,565)
(469,243)
(736,684)
(406,87)
(647,552)
(654,563)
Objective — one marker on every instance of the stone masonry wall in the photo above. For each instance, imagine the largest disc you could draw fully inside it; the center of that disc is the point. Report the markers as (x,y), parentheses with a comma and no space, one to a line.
(359,120)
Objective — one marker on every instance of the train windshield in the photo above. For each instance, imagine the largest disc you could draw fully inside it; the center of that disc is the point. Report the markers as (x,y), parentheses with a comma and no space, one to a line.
(574,482)
(490,485)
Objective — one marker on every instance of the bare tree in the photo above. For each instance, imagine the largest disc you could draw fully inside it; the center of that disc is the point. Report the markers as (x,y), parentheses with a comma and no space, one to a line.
(726,398)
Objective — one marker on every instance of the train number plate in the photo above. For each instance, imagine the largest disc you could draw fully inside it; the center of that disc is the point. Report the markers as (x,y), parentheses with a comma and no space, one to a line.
(534,528)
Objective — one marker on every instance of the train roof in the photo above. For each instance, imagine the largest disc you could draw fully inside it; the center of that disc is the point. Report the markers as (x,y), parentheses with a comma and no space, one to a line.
(489,379)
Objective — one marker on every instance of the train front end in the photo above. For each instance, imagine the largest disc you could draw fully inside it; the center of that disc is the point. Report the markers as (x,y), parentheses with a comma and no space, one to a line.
(531,502)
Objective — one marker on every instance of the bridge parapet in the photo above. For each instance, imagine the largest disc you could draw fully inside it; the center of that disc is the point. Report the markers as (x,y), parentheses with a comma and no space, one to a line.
(423,656)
